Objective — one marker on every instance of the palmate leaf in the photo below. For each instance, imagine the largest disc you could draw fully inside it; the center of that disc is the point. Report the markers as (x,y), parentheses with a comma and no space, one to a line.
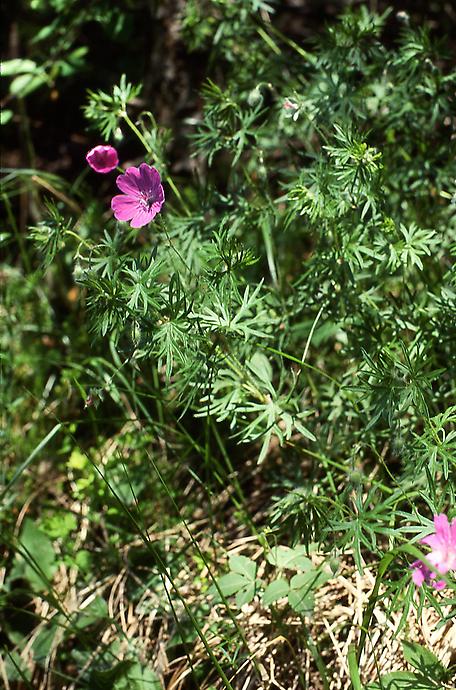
(302,587)
(241,580)
(278,589)
(291,559)
(138,677)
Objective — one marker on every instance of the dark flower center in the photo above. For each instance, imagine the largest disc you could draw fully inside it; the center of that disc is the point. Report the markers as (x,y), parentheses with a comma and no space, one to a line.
(147,200)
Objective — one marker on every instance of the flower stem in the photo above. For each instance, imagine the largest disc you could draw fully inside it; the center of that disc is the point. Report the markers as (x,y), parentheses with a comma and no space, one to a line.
(81,240)
(149,150)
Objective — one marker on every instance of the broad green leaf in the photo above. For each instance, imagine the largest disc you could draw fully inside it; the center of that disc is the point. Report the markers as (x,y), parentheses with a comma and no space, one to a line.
(15,667)
(260,365)
(424,661)
(5,116)
(275,590)
(17,66)
(293,559)
(138,678)
(243,565)
(240,580)
(232,583)
(244,596)
(37,552)
(96,611)
(403,680)
(105,679)
(42,643)
(24,84)
(301,602)
(302,587)
(83,561)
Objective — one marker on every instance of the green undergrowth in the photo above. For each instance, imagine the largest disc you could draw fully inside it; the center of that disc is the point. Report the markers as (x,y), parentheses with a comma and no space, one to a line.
(211,422)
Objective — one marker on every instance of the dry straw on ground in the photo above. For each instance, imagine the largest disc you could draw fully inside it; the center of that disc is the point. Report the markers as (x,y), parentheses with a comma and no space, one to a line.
(276,650)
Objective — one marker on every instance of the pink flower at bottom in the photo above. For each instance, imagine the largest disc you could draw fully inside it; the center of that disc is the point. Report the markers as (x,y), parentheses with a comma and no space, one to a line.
(421,573)
(103,159)
(142,197)
(443,544)
(442,555)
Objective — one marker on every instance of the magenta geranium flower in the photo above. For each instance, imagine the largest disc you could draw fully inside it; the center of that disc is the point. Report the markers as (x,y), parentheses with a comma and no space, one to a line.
(442,555)
(421,573)
(103,159)
(443,544)
(143,195)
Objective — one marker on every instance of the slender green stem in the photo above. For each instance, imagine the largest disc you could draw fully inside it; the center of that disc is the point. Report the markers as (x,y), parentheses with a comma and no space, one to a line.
(170,181)
(205,561)
(300,362)
(18,235)
(162,566)
(312,330)
(288,41)
(353,668)
(320,664)
(137,131)
(81,240)
(173,247)
(267,237)
(149,150)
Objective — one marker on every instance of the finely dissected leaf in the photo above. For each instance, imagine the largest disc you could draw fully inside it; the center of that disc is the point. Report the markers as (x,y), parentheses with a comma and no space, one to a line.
(275,590)
(293,559)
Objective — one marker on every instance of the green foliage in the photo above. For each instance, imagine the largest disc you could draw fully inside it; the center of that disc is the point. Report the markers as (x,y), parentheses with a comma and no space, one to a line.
(430,672)
(35,560)
(106,110)
(241,580)
(299,589)
(293,306)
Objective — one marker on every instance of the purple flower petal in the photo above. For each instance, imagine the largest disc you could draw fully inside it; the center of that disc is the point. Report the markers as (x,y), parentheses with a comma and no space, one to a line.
(442,526)
(149,177)
(421,573)
(129,182)
(418,575)
(141,218)
(124,207)
(143,195)
(437,584)
(102,159)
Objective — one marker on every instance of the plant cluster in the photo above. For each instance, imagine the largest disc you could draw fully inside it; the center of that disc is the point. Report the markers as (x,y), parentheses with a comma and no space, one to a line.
(293,302)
